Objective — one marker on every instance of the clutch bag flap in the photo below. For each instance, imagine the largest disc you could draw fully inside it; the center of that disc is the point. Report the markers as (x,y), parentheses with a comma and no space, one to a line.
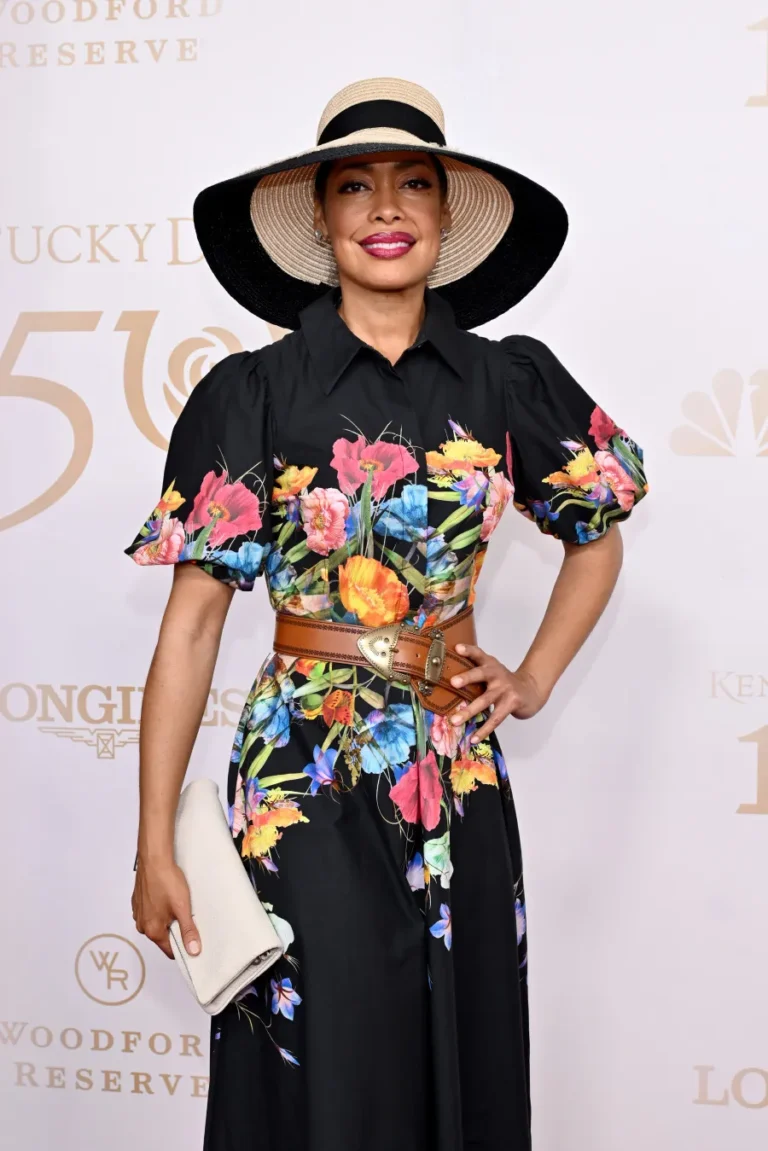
(238,939)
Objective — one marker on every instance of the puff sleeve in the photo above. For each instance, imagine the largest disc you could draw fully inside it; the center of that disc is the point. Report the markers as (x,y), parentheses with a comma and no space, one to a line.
(575,472)
(214,507)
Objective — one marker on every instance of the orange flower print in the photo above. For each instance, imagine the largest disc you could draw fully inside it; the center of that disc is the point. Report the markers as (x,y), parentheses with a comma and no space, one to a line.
(171,502)
(337,707)
(463,455)
(466,773)
(372,591)
(304,666)
(265,825)
(477,566)
(291,481)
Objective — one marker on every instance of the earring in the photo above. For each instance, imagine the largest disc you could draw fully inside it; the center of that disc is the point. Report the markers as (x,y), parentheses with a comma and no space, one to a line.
(319,236)
(443,233)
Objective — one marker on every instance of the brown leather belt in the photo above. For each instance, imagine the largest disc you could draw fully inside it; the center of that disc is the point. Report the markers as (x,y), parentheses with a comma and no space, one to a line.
(398,653)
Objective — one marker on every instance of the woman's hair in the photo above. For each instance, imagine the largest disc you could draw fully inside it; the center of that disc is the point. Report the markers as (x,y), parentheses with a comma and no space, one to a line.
(324,171)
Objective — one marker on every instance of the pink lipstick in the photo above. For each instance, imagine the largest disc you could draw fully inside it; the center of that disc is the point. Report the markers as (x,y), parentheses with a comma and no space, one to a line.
(388,245)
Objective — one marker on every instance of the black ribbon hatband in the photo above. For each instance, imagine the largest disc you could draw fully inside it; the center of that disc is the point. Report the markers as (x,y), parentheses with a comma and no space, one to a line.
(382,114)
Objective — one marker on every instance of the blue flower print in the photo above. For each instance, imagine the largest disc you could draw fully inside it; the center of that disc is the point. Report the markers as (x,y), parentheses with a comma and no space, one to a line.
(521,921)
(322,770)
(246,560)
(405,518)
(284,997)
(442,929)
(393,734)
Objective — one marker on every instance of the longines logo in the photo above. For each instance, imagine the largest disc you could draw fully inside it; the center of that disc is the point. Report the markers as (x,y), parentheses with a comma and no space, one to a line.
(171,241)
(187,363)
(99,716)
(98,33)
(747,1087)
(731,421)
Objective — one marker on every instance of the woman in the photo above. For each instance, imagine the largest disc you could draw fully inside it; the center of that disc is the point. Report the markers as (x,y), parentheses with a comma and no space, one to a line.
(361,464)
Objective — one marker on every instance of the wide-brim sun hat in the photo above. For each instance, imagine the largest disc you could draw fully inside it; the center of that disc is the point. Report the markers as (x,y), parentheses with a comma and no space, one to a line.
(256,230)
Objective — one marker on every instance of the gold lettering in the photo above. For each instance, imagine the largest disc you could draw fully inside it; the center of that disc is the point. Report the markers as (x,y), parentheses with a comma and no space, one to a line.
(141,1083)
(83,1079)
(96,1045)
(63,399)
(125,694)
(107,713)
(97,242)
(232,699)
(177,8)
(71,1031)
(137,9)
(140,240)
(703,1095)
(130,1039)
(199,1086)
(166,1080)
(760,806)
(744,681)
(156,48)
(24,1075)
(210,7)
(23,6)
(63,707)
(84,6)
(175,221)
(111,1081)
(139,325)
(66,54)
(762,100)
(160,1049)
(58,6)
(11,1032)
(5,707)
(55,1076)
(51,251)
(126,52)
(46,1032)
(738,1083)
(37,228)
(114,8)
(187,50)
(190,1045)
(8,55)
(38,55)
(94,51)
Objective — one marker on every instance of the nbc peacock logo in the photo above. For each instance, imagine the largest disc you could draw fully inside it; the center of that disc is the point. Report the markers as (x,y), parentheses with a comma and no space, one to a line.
(729,420)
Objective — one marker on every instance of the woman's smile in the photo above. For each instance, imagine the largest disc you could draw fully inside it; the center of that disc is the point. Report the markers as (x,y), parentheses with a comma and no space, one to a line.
(388,245)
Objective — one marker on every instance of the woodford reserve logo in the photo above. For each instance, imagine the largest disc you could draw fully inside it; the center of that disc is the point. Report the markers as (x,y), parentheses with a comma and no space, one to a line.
(100,716)
(45,34)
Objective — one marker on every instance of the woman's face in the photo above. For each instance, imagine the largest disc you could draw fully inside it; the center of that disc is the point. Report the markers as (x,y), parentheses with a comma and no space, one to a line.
(382,214)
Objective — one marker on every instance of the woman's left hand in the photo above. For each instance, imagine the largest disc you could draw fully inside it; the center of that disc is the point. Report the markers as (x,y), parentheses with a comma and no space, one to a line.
(507,692)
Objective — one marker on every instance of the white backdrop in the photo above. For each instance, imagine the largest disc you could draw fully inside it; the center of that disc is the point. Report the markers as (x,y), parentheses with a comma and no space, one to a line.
(643,786)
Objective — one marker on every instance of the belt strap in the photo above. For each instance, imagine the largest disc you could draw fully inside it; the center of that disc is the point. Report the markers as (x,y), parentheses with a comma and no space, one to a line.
(425,659)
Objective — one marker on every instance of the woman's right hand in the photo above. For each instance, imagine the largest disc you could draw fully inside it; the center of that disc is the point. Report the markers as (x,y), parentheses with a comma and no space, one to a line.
(160,895)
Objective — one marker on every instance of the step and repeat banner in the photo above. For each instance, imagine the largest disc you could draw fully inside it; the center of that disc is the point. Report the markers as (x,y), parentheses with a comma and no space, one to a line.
(643,786)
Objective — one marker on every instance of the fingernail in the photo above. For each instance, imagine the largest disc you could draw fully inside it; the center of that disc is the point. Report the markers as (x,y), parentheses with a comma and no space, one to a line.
(457,681)
(193,947)
(474,739)
(460,648)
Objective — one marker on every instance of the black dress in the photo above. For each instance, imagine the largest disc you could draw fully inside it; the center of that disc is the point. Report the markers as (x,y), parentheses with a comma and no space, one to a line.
(382,839)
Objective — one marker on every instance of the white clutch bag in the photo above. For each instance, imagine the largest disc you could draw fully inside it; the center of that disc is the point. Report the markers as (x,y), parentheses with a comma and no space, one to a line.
(238,939)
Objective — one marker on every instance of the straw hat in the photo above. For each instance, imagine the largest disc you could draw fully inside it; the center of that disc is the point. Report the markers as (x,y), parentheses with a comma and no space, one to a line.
(257,234)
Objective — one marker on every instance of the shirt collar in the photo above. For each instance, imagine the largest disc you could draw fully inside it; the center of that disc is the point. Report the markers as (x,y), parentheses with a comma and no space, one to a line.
(333,346)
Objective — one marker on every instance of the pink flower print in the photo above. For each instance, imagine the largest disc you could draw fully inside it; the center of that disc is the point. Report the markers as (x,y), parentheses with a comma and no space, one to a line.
(419,791)
(324,512)
(444,735)
(355,459)
(166,548)
(619,481)
(508,461)
(232,509)
(602,428)
(500,491)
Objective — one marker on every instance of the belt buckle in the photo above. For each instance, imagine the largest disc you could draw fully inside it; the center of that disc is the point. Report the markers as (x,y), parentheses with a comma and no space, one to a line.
(435,661)
(378,647)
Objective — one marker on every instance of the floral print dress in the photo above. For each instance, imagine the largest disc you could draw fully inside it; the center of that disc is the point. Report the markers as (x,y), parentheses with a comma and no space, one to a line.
(381,839)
